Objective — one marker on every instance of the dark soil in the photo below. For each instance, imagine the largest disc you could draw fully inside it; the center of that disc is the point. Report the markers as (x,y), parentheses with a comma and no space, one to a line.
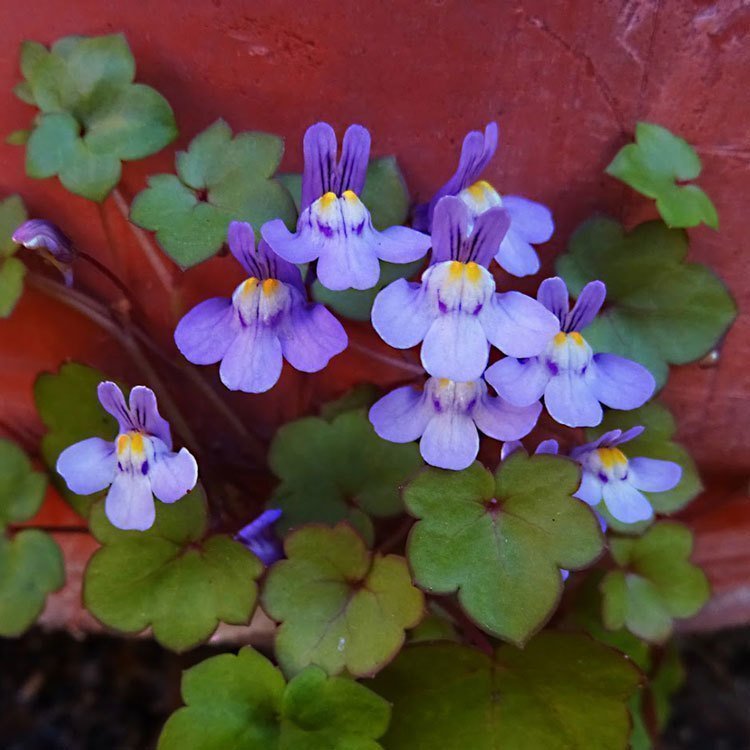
(101,693)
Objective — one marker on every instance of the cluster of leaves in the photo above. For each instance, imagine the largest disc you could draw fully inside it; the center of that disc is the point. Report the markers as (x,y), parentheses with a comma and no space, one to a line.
(486,553)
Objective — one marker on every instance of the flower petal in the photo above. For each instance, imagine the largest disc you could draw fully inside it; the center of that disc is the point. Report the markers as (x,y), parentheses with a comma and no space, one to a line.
(503,421)
(653,474)
(510,447)
(587,306)
(518,325)
(296,248)
(144,413)
(111,398)
(620,383)
(310,336)
(206,332)
(489,231)
(553,294)
(259,537)
(173,475)
(547,447)
(624,437)
(130,504)
(516,255)
(401,244)
(400,314)
(626,503)
(530,220)
(346,263)
(520,382)
(88,466)
(455,347)
(590,490)
(319,148)
(450,226)
(450,441)
(570,400)
(401,415)
(253,361)
(355,154)
(241,241)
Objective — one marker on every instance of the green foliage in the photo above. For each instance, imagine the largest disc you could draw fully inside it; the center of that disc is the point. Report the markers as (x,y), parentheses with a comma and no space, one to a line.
(170,577)
(340,606)
(219,178)
(387,198)
(55,396)
(501,541)
(655,582)
(92,114)
(12,271)
(655,442)
(244,702)
(660,310)
(562,692)
(31,564)
(338,470)
(654,164)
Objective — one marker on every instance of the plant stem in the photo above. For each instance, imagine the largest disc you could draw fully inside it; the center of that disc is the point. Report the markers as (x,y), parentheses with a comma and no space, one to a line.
(387,359)
(102,269)
(473,633)
(398,535)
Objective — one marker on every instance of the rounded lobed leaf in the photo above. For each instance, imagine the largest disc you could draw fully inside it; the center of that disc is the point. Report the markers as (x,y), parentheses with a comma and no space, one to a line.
(501,541)
(243,701)
(340,606)
(21,488)
(564,691)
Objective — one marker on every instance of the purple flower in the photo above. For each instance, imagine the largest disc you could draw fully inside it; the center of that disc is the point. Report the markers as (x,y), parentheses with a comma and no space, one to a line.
(139,463)
(51,242)
(268,318)
(259,537)
(610,476)
(455,310)
(446,416)
(334,226)
(530,223)
(572,379)
(548,447)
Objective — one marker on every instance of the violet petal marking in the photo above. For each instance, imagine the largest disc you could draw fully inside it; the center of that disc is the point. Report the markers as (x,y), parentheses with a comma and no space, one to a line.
(268,319)
(455,311)
(573,380)
(51,243)
(446,417)
(609,476)
(259,537)
(334,226)
(137,465)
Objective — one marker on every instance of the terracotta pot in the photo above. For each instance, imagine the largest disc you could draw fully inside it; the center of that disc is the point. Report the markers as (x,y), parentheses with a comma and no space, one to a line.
(567,81)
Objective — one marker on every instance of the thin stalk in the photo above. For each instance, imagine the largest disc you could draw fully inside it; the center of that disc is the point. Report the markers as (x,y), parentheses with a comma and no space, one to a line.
(104,271)
(387,359)
(473,633)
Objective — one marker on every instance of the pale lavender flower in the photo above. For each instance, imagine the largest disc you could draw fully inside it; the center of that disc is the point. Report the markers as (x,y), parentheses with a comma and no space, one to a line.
(137,465)
(268,319)
(334,226)
(50,242)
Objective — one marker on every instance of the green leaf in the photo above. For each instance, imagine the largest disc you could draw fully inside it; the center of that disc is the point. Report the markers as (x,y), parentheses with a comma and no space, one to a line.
(653,164)
(655,442)
(340,606)
(501,541)
(243,702)
(21,488)
(54,396)
(362,395)
(93,115)
(23,92)
(338,470)
(660,310)
(18,137)
(170,577)
(655,582)
(31,566)
(562,692)
(12,273)
(12,215)
(221,178)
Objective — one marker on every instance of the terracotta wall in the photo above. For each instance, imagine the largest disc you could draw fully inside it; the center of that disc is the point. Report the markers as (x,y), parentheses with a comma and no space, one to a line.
(567,81)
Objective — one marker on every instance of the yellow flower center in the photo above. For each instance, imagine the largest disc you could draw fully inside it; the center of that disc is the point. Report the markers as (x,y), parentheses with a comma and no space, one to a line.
(611,457)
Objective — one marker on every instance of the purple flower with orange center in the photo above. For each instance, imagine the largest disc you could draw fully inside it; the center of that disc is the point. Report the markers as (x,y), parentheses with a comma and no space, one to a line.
(334,226)
(455,310)
(530,223)
(445,417)
(573,380)
(268,319)
(138,465)
(611,477)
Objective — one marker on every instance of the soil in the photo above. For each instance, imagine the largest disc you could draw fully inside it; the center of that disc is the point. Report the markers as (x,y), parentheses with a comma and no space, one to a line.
(102,693)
